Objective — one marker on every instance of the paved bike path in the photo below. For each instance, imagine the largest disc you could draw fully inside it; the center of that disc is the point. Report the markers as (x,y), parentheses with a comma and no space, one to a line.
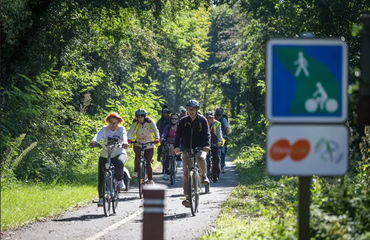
(90,223)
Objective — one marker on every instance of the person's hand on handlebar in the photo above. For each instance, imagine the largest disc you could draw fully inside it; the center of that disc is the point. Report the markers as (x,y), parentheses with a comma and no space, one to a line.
(177,151)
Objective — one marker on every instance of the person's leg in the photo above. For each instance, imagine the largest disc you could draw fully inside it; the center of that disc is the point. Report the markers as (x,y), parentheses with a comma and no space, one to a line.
(222,158)
(209,164)
(216,168)
(148,154)
(202,164)
(118,163)
(137,151)
(186,162)
(101,175)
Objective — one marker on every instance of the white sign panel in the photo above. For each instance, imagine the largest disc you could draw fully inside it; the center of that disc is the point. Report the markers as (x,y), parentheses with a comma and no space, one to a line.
(305,150)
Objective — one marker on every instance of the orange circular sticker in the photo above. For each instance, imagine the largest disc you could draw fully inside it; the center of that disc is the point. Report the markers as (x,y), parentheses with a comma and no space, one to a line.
(300,150)
(279,150)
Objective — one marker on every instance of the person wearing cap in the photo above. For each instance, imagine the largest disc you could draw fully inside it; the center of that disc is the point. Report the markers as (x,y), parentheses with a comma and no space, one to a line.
(192,133)
(216,143)
(161,124)
(114,131)
(143,130)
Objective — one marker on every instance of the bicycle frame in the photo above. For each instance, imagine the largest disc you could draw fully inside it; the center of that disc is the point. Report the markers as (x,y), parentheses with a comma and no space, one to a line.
(142,166)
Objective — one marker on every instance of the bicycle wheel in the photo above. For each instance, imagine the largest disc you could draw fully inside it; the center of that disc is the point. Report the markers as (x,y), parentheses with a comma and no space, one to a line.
(141,178)
(172,170)
(115,196)
(193,192)
(107,193)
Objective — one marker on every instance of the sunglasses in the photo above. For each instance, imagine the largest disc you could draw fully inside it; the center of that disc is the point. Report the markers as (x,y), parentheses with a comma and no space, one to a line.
(174,119)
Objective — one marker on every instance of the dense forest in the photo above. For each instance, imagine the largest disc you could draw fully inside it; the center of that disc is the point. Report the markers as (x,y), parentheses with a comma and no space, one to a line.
(66,64)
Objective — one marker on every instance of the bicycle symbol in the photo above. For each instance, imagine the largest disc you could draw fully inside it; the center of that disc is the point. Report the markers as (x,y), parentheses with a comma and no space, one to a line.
(320,99)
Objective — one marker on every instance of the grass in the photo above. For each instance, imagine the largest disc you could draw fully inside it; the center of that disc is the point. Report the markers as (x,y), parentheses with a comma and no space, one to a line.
(260,207)
(24,203)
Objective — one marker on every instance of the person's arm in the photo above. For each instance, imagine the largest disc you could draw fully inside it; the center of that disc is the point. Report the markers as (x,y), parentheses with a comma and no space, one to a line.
(99,135)
(155,129)
(205,134)
(165,132)
(130,132)
(227,129)
(219,135)
(179,131)
(124,138)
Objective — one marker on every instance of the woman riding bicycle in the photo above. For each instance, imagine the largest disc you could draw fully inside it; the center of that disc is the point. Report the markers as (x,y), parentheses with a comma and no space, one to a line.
(143,130)
(113,131)
(168,136)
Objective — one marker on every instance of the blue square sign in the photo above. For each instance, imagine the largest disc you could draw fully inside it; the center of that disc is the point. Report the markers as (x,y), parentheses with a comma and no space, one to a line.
(306,80)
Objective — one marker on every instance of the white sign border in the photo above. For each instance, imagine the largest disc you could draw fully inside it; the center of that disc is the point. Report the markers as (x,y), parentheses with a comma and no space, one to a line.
(306,42)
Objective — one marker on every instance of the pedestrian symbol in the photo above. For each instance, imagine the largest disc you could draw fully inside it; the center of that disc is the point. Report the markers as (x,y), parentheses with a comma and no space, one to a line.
(306,80)
(302,65)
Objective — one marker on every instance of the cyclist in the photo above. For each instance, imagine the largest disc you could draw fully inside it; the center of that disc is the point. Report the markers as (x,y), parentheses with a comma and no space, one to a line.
(143,130)
(161,124)
(168,135)
(192,132)
(225,133)
(182,112)
(216,144)
(113,131)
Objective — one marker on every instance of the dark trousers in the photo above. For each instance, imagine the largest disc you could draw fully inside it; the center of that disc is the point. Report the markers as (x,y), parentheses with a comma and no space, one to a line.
(148,155)
(118,163)
(215,164)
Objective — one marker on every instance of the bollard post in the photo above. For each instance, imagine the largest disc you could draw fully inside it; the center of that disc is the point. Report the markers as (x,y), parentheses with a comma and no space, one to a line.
(153,216)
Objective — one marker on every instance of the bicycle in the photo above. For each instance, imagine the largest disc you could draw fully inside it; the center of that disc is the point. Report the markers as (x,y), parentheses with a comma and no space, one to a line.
(142,167)
(111,187)
(194,184)
(172,165)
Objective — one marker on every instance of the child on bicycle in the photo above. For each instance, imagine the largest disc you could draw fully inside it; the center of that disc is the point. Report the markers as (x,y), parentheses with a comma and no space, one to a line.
(143,130)
(168,136)
(116,132)
(192,132)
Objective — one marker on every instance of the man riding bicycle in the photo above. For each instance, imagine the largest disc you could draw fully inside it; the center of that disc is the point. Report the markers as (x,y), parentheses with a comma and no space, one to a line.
(192,132)
(216,144)
(143,130)
(118,157)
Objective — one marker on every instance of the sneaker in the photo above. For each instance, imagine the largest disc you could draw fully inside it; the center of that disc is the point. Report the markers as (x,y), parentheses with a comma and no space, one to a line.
(166,177)
(100,202)
(186,203)
(223,170)
(205,180)
(135,175)
(150,182)
(122,186)
(215,179)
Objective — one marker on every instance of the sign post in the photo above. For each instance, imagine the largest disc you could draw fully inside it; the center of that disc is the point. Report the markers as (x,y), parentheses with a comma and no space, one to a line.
(306,101)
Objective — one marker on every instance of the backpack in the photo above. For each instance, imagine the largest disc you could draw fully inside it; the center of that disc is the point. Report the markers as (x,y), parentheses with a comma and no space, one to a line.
(222,122)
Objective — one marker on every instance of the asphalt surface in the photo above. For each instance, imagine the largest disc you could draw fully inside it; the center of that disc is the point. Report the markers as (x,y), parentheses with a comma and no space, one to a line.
(89,222)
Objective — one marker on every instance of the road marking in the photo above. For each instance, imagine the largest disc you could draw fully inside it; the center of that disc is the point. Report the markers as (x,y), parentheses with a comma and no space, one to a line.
(114,226)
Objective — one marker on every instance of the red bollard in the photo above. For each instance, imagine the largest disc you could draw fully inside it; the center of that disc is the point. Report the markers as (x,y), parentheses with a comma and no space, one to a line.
(153,217)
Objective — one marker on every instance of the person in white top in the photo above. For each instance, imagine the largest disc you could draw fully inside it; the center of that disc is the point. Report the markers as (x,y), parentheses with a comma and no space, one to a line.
(113,131)
(143,130)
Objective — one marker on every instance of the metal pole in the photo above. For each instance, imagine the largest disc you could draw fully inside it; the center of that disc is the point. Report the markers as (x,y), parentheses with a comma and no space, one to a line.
(153,217)
(304,200)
